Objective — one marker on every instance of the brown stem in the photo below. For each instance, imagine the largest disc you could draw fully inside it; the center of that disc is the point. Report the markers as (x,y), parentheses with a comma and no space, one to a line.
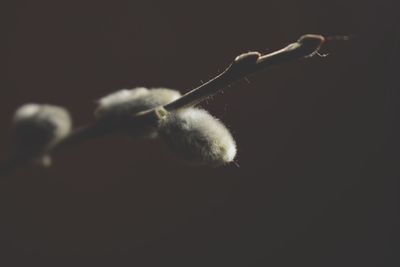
(247,64)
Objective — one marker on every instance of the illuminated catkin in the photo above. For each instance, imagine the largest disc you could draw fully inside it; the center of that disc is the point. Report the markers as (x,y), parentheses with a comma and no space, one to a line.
(127,102)
(195,135)
(38,126)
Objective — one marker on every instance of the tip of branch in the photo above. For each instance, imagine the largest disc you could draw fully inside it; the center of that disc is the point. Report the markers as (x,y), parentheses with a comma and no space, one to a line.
(340,37)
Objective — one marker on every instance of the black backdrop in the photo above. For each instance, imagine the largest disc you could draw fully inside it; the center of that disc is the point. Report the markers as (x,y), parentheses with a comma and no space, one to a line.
(317,139)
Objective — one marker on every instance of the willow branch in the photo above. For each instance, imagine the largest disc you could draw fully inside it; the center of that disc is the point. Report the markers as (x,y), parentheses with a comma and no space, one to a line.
(243,66)
(247,64)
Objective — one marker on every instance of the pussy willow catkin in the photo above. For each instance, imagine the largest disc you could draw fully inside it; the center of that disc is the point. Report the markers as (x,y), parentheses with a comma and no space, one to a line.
(127,102)
(38,126)
(195,135)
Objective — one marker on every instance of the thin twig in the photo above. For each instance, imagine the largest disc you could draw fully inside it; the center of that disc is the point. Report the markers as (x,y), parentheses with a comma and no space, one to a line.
(247,64)
(243,66)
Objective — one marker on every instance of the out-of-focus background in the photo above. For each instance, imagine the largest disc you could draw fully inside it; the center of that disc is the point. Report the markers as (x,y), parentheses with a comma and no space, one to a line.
(318,139)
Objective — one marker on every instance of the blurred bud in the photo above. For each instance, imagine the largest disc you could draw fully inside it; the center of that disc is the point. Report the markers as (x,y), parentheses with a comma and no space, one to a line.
(36,127)
(197,136)
(128,102)
(125,103)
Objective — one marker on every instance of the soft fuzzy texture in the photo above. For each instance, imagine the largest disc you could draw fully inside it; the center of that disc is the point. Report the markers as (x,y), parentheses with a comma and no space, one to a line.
(128,102)
(37,126)
(197,136)
(125,103)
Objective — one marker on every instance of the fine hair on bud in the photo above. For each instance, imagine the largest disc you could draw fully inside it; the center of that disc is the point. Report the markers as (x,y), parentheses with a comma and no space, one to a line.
(39,126)
(124,103)
(195,135)
(127,102)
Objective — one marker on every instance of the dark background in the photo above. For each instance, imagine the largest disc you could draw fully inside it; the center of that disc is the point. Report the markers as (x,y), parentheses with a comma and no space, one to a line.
(318,140)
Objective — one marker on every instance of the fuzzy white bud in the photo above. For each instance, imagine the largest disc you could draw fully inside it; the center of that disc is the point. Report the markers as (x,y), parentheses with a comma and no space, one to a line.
(38,126)
(127,102)
(195,135)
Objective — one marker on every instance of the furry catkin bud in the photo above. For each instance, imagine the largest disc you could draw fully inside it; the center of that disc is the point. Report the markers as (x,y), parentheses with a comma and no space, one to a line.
(38,126)
(197,136)
(125,103)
